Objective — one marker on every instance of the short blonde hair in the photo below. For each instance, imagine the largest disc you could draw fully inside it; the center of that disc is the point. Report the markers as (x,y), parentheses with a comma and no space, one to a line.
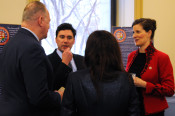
(32,9)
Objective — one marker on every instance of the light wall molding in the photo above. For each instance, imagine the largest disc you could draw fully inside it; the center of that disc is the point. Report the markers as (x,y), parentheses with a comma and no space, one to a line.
(138,9)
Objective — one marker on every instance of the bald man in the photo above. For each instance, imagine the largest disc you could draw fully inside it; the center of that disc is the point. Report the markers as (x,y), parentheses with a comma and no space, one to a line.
(25,89)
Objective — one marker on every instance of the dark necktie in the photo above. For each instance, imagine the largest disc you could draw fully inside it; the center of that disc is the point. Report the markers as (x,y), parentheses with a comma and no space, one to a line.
(70,65)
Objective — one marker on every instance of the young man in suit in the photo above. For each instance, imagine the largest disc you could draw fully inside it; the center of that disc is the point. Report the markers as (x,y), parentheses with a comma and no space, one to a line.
(62,59)
(25,69)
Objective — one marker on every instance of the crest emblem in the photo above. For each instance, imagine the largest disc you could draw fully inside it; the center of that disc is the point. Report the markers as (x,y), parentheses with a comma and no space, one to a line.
(120,35)
(4,36)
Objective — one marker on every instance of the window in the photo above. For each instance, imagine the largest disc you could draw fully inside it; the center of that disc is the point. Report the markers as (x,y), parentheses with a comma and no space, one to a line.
(86,16)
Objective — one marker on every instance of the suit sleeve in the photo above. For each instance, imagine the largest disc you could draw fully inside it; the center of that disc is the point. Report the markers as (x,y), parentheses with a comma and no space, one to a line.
(35,72)
(61,74)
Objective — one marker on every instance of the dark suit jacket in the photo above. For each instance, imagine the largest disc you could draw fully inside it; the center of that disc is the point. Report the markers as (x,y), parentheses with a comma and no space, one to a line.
(24,73)
(117,97)
(61,70)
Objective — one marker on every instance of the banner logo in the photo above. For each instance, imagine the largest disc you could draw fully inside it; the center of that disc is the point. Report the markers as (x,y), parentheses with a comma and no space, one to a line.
(4,36)
(120,35)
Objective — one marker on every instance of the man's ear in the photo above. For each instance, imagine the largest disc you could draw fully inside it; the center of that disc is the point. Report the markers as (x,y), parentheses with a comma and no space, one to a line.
(40,21)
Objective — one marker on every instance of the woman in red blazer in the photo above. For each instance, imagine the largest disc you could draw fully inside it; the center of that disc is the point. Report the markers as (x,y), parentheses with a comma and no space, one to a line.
(154,73)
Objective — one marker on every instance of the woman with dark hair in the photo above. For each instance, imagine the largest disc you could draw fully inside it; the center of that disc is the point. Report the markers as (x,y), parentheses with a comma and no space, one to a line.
(154,73)
(104,88)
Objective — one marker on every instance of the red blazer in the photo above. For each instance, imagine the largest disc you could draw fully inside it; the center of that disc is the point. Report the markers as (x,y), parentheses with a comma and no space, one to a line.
(158,73)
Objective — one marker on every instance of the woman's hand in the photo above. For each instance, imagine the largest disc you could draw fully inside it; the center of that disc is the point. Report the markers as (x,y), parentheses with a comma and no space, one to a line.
(138,82)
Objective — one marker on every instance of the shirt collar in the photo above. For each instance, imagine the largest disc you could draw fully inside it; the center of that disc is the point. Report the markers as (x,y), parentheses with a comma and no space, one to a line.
(59,53)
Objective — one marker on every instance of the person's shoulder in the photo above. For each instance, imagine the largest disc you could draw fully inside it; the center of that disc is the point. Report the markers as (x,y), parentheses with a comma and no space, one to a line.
(132,53)
(122,74)
(26,35)
(55,59)
(161,54)
(52,54)
(79,60)
(25,40)
(79,78)
(78,56)
(79,74)
(125,77)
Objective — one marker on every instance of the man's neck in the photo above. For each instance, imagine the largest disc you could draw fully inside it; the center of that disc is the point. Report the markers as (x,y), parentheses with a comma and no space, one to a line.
(32,28)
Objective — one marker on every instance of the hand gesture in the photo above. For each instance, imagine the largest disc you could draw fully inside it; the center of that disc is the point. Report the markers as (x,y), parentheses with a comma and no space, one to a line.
(61,92)
(67,56)
(138,82)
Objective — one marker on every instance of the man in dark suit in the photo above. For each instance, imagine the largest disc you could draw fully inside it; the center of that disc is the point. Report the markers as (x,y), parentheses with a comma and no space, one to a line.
(25,69)
(63,61)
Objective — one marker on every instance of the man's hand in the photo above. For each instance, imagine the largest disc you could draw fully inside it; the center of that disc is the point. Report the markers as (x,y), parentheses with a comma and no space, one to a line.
(67,56)
(61,92)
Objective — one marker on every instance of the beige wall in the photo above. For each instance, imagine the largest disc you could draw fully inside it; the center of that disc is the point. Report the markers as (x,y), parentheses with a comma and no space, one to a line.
(163,12)
(11,11)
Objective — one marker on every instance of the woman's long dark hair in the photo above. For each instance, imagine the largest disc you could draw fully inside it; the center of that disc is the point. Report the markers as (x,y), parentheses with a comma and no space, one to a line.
(102,56)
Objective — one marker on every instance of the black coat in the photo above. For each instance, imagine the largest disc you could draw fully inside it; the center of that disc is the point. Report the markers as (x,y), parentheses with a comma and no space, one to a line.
(24,72)
(61,70)
(117,97)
